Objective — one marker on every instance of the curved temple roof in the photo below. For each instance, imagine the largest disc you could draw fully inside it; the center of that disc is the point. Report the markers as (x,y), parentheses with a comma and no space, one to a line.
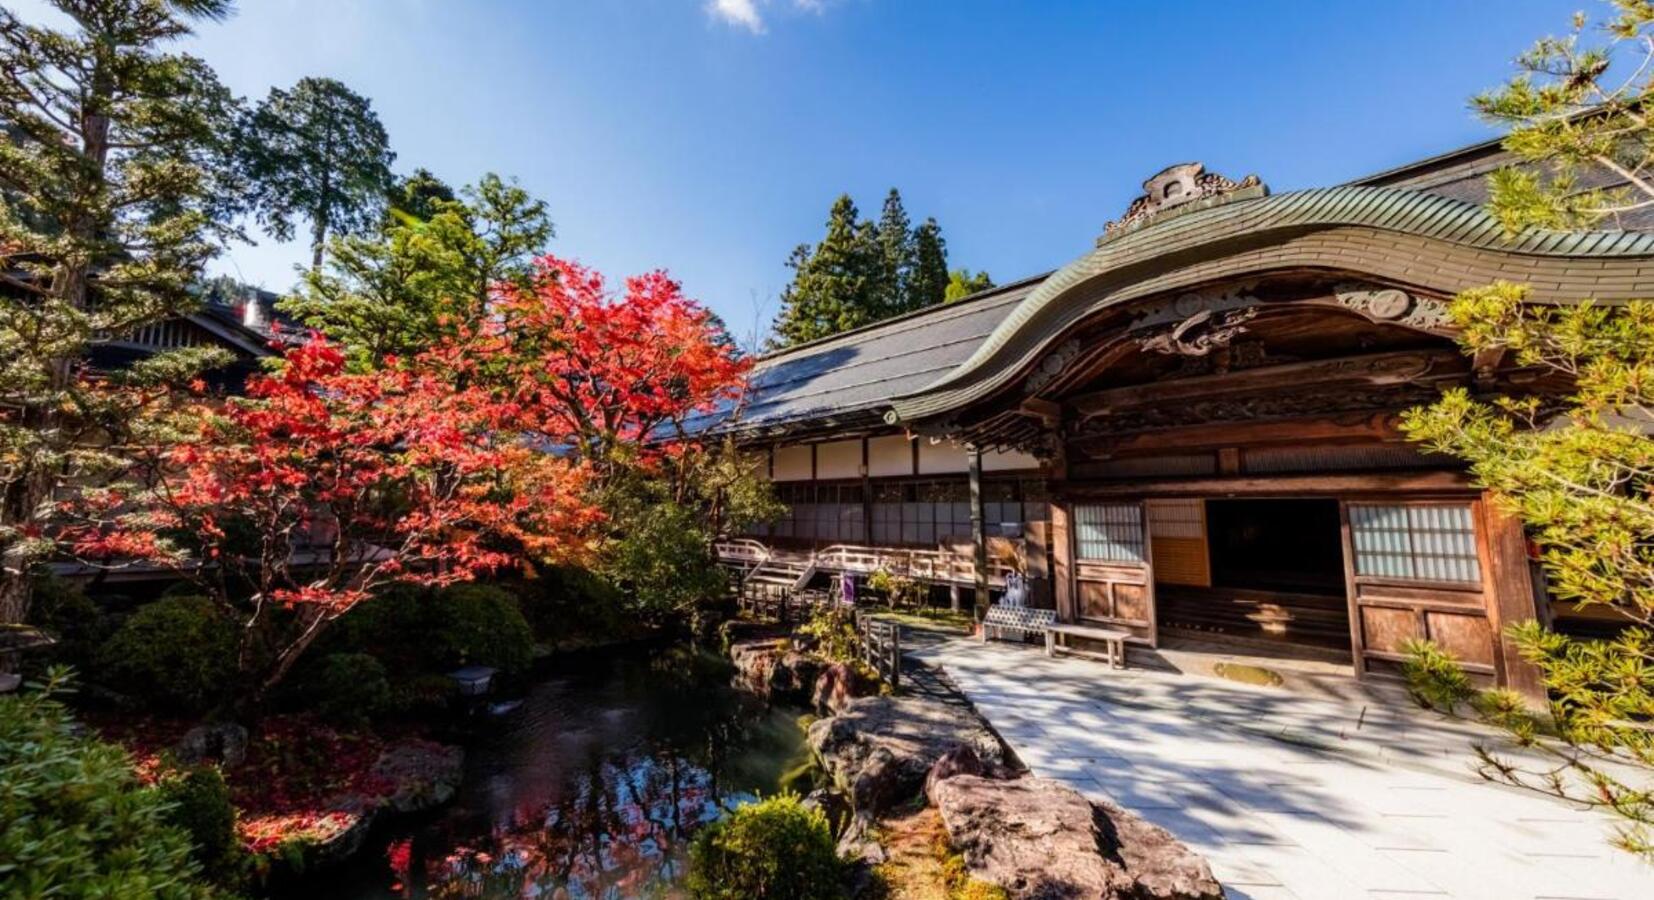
(1407,236)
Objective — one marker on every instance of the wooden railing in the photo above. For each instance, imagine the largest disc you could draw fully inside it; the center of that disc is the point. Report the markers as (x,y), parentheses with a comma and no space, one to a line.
(879,643)
(923,565)
(744,551)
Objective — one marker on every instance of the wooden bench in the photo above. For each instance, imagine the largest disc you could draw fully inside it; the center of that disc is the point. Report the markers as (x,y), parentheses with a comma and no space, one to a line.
(1020,619)
(1113,641)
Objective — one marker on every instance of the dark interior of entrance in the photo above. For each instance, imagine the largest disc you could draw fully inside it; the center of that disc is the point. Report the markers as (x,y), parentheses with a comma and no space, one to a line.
(1275,578)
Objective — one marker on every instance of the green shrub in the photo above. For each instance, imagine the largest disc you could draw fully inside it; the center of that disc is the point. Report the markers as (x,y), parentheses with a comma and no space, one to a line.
(348,688)
(775,848)
(178,654)
(201,806)
(414,632)
(74,821)
(480,624)
(567,601)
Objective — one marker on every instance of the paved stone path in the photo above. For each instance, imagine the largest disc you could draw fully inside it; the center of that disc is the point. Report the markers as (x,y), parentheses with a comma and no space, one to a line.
(1290,796)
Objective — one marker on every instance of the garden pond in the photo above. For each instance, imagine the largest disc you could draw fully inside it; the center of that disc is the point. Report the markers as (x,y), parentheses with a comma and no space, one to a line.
(591,789)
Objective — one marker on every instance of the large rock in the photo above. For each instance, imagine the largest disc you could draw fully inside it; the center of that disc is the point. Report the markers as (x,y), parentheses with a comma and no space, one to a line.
(837,685)
(1042,840)
(224,742)
(1160,864)
(770,668)
(881,748)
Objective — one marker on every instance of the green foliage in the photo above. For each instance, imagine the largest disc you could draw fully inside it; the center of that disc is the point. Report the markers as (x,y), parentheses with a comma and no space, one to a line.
(1574,460)
(927,283)
(74,821)
(1571,108)
(426,270)
(117,189)
(963,282)
(177,654)
(349,688)
(573,601)
(200,806)
(319,151)
(1434,679)
(480,624)
(659,551)
(834,634)
(776,849)
(862,272)
(414,632)
(81,626)
(899,590)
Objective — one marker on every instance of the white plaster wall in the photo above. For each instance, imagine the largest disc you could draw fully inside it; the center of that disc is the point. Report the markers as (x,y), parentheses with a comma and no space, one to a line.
(942,457)
(997,461)
(889,456)
(792,463)
(838,459)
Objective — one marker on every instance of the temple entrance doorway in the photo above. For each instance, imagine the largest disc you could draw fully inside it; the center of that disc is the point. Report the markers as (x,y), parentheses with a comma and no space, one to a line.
(1266,574)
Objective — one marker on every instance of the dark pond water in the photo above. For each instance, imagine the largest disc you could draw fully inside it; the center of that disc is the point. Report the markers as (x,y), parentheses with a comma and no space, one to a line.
(592,789)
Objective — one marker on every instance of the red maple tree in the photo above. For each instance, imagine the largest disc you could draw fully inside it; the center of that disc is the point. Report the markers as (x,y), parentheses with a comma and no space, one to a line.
(298,502)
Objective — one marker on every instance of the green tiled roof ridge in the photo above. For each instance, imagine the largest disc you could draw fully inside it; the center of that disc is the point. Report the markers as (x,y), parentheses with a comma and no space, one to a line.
(1401,210)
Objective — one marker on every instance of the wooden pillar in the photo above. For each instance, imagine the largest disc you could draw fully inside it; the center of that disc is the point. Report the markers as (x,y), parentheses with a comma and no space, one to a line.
(979,536)
(1062,560)
(1508,585)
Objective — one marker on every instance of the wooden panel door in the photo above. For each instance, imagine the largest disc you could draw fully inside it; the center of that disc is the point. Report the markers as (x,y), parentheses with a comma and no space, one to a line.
(1113,568)
(1415,571)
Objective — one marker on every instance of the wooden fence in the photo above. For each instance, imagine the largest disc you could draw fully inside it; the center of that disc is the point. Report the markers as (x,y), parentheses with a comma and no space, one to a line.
(879,643)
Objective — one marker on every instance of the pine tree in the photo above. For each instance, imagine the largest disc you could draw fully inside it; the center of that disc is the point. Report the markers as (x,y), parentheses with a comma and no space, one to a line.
(1579,477)
(317,151)
(928,282)
(895,239)
(430,267)
(834,286)
(113,195)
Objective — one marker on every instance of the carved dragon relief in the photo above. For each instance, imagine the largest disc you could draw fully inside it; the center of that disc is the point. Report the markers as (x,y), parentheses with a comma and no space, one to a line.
(1200,333)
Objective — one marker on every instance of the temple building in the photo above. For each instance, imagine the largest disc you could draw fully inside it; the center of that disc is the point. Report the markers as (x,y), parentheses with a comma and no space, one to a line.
(1192,430)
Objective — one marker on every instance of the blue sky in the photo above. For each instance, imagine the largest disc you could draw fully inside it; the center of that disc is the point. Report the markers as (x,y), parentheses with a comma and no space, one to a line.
(709,138)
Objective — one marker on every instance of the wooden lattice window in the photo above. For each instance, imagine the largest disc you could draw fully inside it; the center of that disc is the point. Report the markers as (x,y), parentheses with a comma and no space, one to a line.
(1415,542)
(1109,532)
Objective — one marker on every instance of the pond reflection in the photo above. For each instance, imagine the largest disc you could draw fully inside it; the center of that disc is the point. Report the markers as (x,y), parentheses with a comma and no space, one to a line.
(592,790)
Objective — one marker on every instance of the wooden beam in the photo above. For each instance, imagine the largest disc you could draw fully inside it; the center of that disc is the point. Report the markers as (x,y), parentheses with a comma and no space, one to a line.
(1047,411)
(1354,428)
(1455,483)
(1375,368)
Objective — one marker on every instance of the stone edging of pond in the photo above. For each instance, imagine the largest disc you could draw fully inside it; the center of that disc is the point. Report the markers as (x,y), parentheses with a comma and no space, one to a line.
(1032,837)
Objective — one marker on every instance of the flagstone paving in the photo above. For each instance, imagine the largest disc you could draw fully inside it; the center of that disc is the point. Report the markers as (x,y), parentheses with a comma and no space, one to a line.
(1291,796)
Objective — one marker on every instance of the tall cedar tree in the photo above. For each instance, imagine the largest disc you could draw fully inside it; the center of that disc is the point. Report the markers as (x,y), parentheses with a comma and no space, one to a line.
(861,273)
(895,237)
(927,283)
(834,286)
(1580,479)
(318,151)
(427,271)
(112,197)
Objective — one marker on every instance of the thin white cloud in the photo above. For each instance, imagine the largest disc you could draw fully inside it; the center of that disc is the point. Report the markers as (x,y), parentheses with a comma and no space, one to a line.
(746,14)
(739,13)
